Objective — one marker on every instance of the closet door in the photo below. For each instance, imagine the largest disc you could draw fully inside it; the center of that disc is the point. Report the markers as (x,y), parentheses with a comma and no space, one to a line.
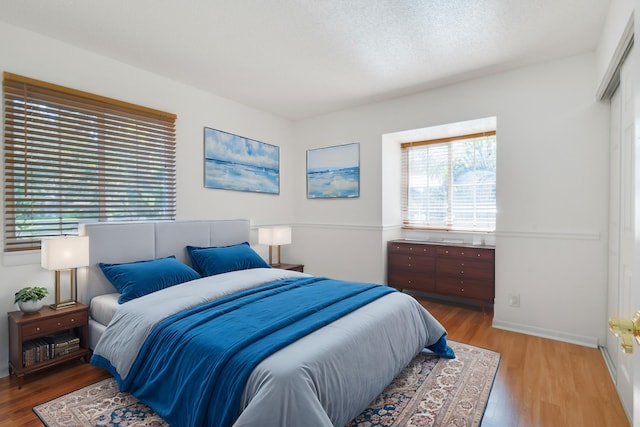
(624,214)
(613,303)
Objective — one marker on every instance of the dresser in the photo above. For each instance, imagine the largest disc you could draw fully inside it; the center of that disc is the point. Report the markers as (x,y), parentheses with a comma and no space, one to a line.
(461,271)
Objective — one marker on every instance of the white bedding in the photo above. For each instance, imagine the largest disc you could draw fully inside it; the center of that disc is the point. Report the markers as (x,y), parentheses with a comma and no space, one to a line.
(326,378)
(103,307)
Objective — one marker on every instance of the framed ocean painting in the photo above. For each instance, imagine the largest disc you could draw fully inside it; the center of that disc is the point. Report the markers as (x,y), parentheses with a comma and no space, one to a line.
(233,162)
(333,172)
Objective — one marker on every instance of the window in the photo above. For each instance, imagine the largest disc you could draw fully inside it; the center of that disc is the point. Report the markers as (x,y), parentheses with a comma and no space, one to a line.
(73,157)
(450,183)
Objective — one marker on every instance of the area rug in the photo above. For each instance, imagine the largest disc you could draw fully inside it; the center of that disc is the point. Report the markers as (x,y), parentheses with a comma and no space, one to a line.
(429,392)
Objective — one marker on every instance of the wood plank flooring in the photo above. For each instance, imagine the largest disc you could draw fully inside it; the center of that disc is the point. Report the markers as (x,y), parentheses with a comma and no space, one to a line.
(540,382)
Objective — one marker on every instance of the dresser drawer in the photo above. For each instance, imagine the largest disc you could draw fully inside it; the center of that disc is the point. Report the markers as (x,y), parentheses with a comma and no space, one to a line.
(404,279)
(422,264)
(464,268)
(466,288)
(408,249)
(55,324)
(466,252)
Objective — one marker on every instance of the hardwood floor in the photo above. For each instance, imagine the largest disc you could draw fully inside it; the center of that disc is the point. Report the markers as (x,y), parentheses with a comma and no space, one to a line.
(540,382)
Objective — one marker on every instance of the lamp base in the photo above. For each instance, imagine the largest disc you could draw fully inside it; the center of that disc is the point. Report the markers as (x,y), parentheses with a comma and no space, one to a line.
(271,263)
(62,305)
(67,300)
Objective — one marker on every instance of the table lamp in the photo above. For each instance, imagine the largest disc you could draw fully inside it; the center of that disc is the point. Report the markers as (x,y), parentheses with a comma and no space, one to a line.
(274,236)
(65,254)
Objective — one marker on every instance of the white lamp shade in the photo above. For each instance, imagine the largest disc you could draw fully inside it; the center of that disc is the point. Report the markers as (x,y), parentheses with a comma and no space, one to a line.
(274,235)
(63,253)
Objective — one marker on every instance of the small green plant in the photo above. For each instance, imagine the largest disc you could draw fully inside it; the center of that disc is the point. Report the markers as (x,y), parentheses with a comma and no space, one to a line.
(34,293)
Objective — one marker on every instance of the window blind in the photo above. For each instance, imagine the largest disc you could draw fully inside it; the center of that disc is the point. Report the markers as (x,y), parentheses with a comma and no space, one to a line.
(72,156)
(450,183)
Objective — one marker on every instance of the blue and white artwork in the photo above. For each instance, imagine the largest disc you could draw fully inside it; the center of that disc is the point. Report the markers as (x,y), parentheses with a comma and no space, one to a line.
(333,172)
(232,162)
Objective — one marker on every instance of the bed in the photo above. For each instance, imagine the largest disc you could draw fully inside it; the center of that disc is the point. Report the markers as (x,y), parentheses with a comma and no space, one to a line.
(240,343)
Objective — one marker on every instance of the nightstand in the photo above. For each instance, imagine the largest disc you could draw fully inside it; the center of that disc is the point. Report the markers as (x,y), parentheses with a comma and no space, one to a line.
(47,338)
(293,267)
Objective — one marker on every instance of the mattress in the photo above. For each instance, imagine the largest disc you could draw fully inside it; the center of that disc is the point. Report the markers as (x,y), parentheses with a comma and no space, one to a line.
(103,307)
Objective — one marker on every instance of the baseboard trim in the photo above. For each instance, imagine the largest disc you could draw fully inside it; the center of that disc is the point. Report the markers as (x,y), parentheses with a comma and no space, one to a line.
(607,361)
(583,340)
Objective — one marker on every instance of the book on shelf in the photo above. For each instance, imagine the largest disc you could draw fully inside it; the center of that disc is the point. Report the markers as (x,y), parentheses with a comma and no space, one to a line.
(45,348)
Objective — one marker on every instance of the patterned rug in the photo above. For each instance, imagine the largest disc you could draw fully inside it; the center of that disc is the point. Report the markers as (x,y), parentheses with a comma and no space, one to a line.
(429,392)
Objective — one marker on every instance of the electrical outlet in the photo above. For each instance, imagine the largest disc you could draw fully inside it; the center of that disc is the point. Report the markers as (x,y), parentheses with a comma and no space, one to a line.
(514,300)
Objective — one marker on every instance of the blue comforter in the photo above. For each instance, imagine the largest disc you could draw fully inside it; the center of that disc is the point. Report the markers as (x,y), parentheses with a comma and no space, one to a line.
(193,358)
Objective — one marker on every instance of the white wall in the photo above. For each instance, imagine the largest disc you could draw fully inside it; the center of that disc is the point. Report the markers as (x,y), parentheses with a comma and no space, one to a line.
(31,55)
(552,191)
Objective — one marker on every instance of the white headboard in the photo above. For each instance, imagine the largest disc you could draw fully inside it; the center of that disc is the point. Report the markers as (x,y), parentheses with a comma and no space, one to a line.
(117,242)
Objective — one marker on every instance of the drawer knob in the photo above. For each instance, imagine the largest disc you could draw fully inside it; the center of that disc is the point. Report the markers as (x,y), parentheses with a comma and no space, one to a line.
(73,320)
(478,254)
(37,329)
(462,290)
(58,323)
(461,271)
(461,253)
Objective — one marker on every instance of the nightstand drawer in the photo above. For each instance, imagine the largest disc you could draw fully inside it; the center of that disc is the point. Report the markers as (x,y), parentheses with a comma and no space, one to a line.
(55,324)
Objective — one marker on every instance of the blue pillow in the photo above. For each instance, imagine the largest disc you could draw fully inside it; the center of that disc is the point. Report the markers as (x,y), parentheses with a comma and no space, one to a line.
(135,279)
(222,259)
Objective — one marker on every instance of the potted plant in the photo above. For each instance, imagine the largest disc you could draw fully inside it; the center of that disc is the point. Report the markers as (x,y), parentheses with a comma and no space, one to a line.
(29,299)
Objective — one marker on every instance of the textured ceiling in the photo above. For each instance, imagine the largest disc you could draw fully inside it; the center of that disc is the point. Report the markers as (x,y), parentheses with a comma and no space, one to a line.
(300,58)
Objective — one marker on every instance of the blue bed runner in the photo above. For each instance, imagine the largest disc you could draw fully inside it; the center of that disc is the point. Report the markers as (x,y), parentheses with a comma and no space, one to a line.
(194,365)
